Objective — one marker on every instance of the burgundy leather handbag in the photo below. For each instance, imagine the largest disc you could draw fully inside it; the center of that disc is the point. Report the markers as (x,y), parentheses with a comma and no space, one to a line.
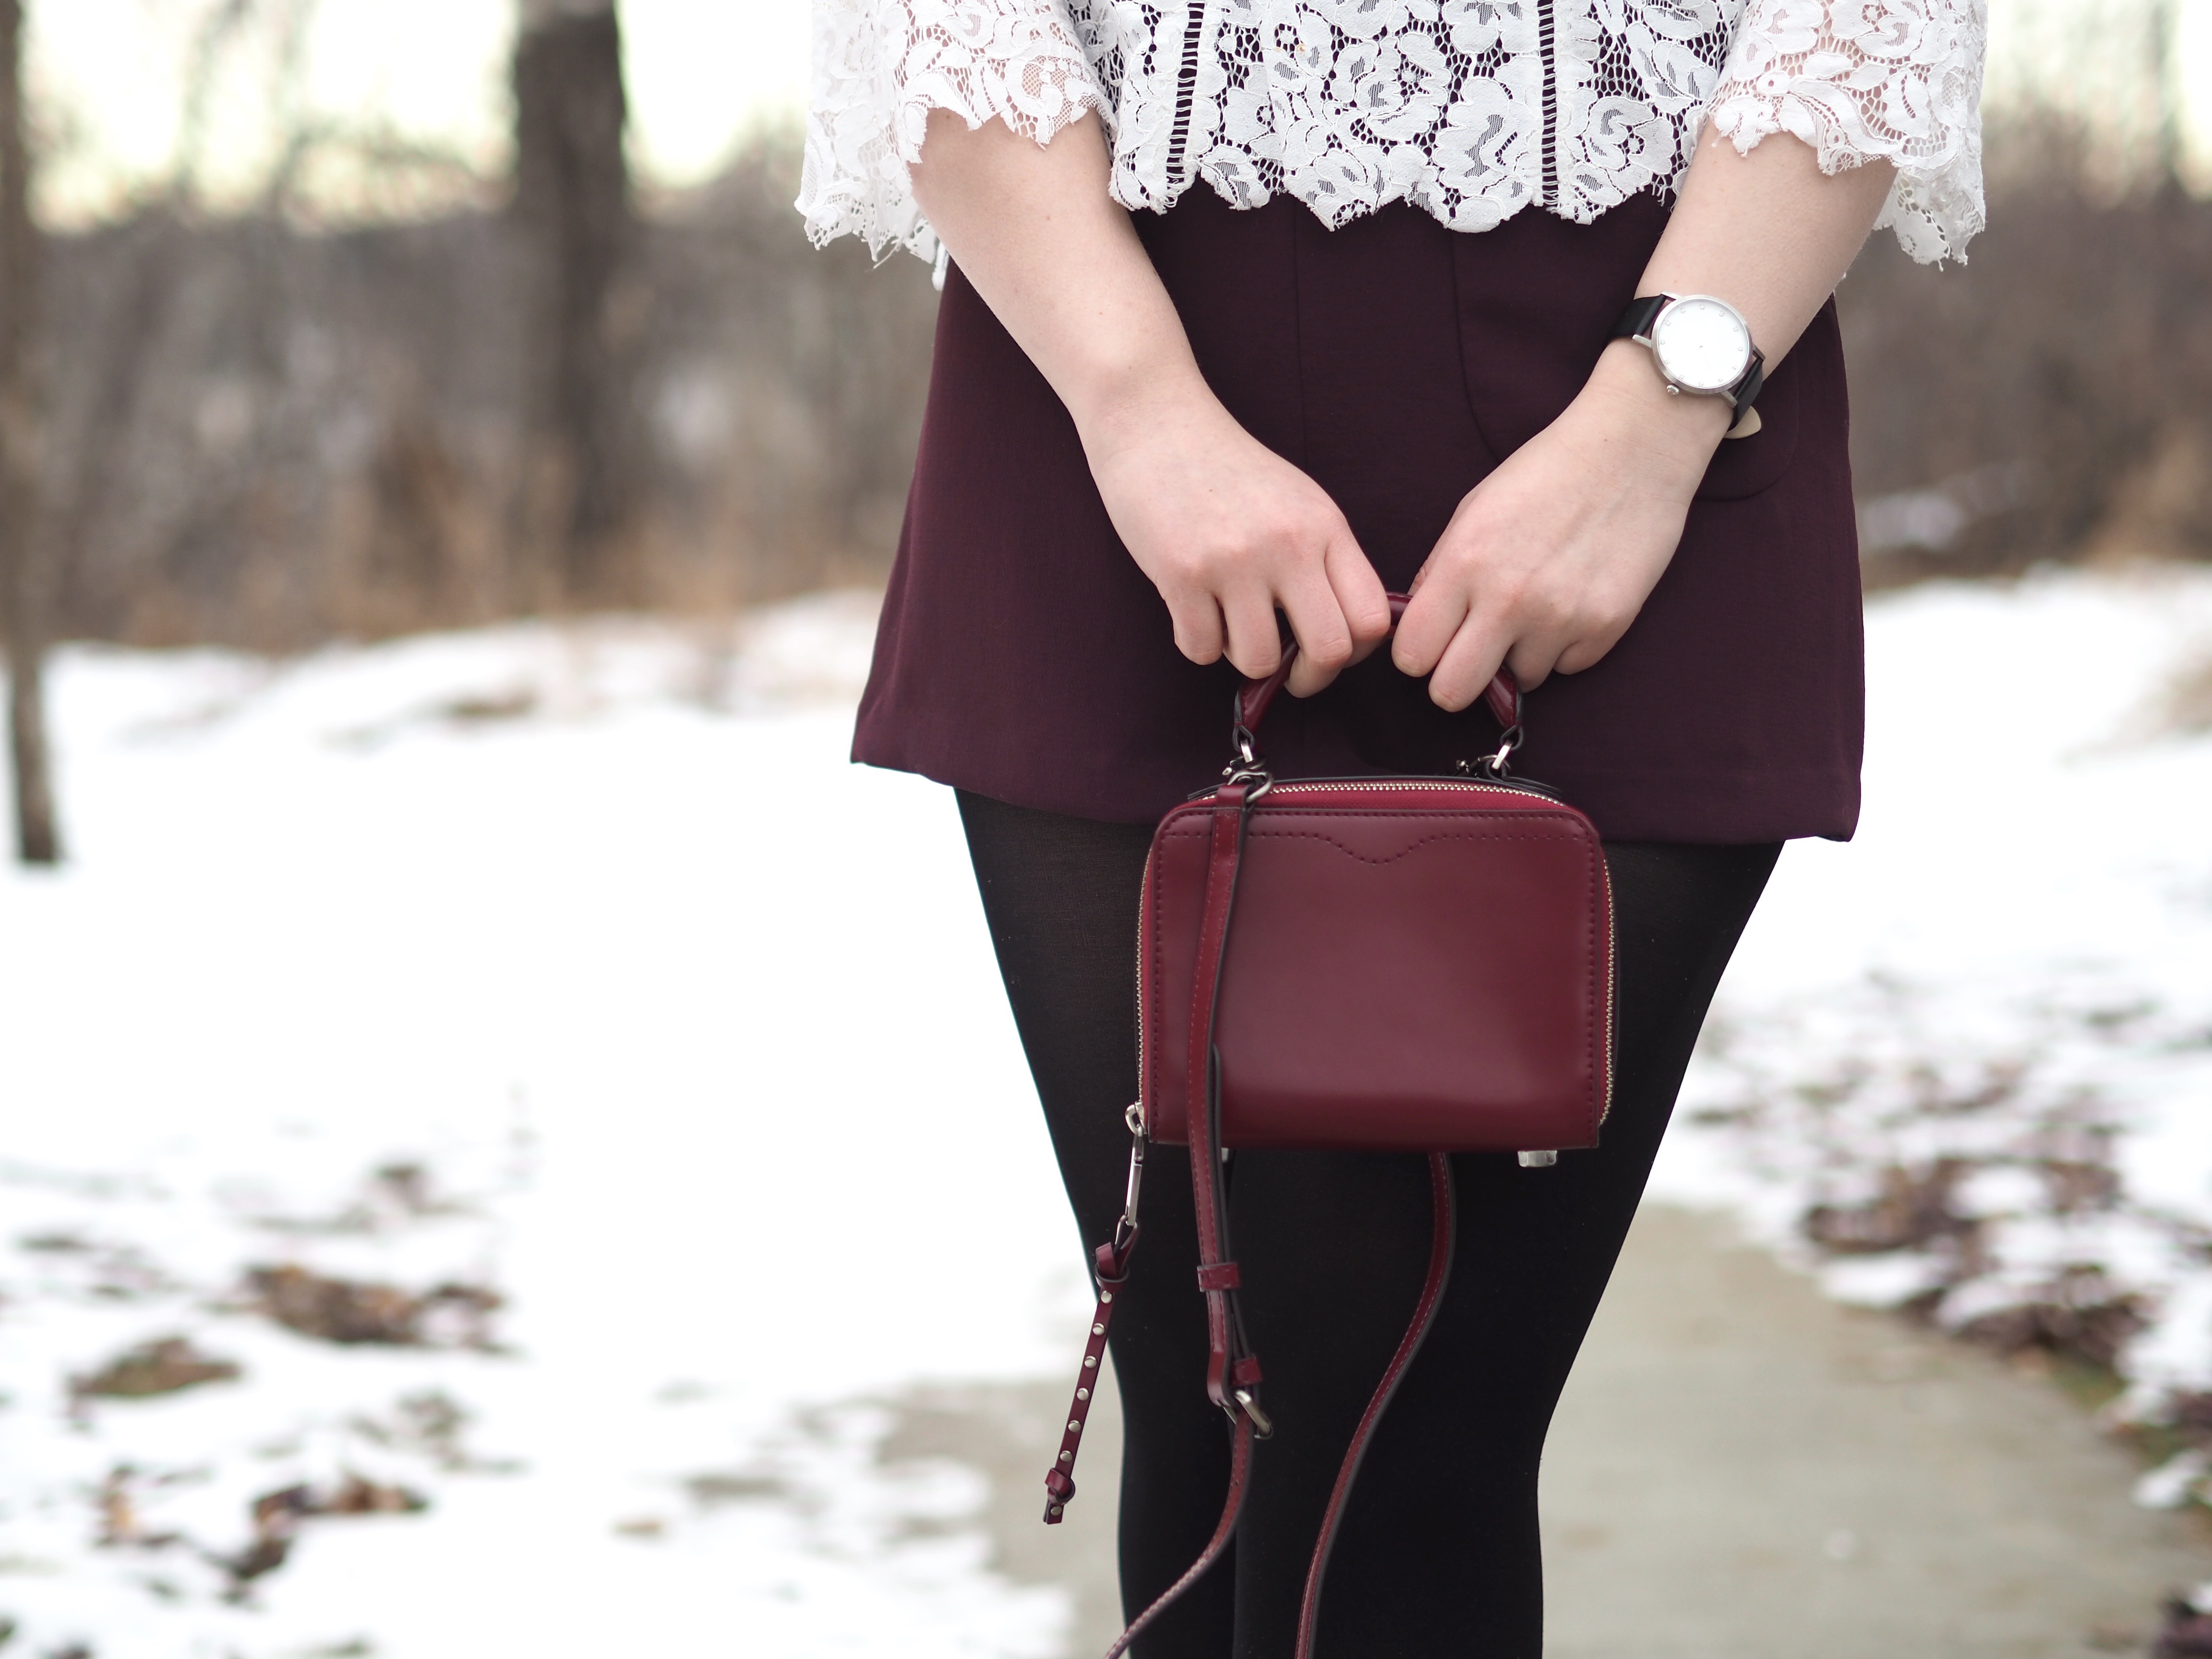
(1375,963)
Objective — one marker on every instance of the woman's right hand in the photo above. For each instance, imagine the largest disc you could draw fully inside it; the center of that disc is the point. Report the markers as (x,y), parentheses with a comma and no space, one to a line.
(1230,533)
(1227,530)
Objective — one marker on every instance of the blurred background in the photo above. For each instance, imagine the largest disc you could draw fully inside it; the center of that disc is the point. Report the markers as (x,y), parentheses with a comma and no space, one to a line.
(354,320)
(442,495)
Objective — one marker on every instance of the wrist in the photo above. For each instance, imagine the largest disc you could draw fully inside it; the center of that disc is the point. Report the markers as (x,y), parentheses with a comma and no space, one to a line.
(1682,428)
(1114,410)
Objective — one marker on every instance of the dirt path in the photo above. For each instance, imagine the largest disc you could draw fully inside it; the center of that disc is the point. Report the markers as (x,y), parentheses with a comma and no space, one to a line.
(1740,1470)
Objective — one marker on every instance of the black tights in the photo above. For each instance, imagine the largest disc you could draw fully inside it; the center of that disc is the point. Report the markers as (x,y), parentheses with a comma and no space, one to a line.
(1439,1554)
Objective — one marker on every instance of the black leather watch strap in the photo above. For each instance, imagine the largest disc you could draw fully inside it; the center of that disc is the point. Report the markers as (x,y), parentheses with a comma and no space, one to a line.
(1639,316)
(1745,392)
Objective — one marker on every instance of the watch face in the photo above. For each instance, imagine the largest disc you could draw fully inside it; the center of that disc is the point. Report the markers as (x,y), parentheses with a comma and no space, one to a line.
(1702,344)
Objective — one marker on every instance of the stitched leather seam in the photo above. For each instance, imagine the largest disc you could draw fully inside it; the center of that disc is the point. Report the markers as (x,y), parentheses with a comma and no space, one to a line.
(1415,846)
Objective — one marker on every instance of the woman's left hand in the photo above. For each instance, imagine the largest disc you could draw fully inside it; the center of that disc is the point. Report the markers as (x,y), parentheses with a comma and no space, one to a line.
(1549,559)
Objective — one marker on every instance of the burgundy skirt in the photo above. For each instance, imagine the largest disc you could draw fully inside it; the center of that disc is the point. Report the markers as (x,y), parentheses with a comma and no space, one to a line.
(1022,656)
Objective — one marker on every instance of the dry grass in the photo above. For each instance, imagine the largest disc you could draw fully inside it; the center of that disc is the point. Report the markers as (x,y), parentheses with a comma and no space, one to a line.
(267,436)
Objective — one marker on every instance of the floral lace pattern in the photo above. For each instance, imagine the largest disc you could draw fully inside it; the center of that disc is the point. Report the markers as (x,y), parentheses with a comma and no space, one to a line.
(1471,109)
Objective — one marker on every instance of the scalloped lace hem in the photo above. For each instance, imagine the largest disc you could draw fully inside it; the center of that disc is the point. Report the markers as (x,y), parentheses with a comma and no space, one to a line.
(1471,109)
(882,66)
(1860,80)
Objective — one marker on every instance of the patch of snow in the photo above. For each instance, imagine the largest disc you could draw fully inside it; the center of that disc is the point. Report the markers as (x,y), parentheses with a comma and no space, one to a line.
(691,1033)
(1966,1060)
(2169,1486)
(572,966)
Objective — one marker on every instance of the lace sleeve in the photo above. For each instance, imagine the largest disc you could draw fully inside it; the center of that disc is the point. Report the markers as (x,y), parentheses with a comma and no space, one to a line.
(880,66)
(1898,81)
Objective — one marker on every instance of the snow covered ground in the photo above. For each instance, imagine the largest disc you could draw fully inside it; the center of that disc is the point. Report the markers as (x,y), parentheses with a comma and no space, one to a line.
(1966,1059)
(556,1015)
(690,1031)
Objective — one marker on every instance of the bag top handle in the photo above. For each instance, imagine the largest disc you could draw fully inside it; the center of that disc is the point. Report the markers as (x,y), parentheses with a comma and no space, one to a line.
(1503,694)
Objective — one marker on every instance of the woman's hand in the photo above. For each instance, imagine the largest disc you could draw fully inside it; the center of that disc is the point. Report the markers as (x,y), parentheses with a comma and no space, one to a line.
(1229,531)
(1550,558)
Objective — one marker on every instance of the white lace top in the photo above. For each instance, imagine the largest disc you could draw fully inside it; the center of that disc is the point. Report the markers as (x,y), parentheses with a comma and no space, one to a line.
(1470,109)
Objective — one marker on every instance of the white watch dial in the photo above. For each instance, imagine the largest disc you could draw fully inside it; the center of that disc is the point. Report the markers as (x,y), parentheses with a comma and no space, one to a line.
(1702,344)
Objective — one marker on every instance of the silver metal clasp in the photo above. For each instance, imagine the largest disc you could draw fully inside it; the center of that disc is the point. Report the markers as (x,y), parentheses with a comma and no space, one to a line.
(1134,1116)
(1492,767)
(1263,1425)
(1538,1160)
(1508,741)
(1247,768)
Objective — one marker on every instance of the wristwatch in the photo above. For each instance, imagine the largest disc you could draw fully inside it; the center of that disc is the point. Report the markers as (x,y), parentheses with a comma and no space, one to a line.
(1701,345)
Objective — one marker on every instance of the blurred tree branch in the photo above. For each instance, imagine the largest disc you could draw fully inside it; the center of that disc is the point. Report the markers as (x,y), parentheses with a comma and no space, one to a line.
(224,26)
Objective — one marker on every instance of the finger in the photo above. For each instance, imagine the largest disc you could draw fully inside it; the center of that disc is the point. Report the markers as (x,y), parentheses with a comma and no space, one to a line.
(1324,642)
(1254,642)
(1197,620)
(1532,663)
(1468,663)
(1433,620)
(1588,652)
(1324,636)
(1359,594)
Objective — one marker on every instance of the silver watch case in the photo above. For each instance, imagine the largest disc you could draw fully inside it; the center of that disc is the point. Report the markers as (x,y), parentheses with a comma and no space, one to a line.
(1701,345)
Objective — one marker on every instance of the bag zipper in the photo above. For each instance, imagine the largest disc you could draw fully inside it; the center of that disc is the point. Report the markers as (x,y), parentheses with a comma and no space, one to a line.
(1144,907)
(1484,786)
(1611,1000)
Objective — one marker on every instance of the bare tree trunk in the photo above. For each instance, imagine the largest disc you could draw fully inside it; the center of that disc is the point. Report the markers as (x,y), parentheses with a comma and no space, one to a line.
(571,207)
(22,594)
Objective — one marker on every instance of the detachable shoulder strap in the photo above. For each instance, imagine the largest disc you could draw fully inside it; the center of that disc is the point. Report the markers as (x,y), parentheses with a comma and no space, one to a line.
(1233,1371)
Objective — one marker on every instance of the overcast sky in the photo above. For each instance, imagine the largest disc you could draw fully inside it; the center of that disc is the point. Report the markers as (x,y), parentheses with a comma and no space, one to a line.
(112,73)
(108,78)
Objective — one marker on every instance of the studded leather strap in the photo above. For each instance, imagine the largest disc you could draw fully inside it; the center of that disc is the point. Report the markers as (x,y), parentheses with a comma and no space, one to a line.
(1112,1261)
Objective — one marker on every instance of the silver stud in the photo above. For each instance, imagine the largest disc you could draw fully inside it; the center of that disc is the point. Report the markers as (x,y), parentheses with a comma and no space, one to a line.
(1055,1509)
(1105,1296)
(1097,1330)
(1083,1394)
(1090,1361)
(1075,1425)
(1067,1457)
